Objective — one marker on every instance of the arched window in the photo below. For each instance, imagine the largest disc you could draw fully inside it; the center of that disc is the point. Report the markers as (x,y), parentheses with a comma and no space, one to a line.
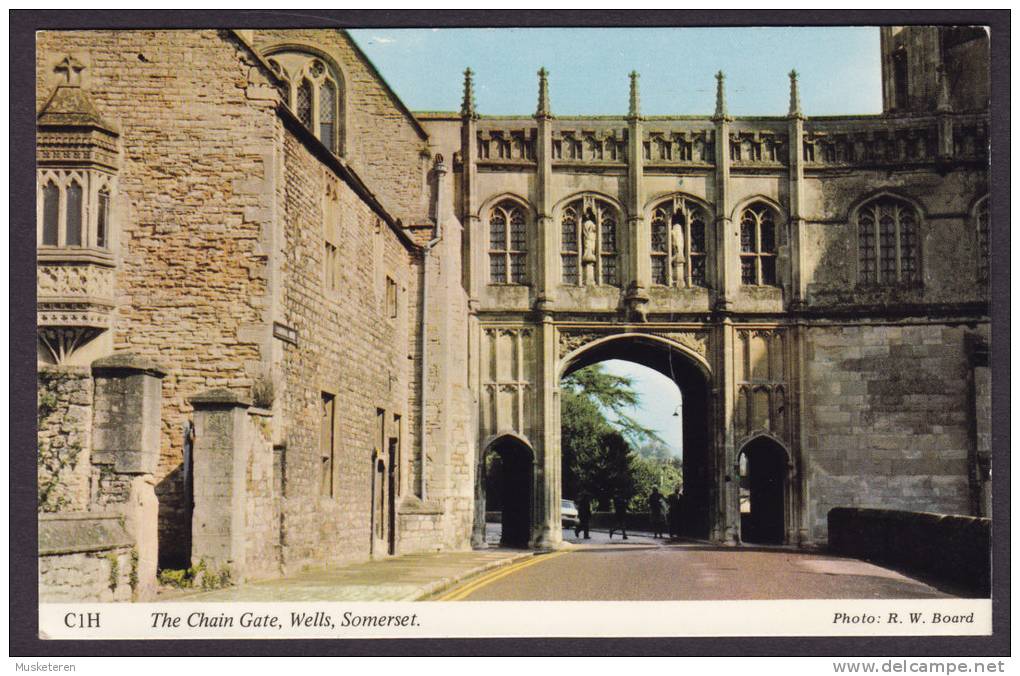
(74,205)
(758,246)
(508,244)
(983,222)
(887,242)
(74,209)
(589,242)
(51,214)
(311,88)
(679,244)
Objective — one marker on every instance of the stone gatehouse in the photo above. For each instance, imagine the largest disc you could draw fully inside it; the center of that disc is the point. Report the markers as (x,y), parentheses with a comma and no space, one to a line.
(283,319)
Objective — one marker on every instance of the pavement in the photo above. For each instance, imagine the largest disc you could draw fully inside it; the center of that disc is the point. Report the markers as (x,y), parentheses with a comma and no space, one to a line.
(405,578)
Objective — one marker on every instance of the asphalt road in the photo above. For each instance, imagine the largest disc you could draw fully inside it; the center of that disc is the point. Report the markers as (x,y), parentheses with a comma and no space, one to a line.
(646,569)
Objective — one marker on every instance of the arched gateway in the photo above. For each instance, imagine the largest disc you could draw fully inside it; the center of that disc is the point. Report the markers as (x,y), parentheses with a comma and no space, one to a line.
(519,418)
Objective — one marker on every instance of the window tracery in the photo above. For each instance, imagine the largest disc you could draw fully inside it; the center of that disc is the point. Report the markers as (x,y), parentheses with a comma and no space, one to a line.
(508,248)
(758,246)
(311,88)
(679,244)
(588,242)
(887,242)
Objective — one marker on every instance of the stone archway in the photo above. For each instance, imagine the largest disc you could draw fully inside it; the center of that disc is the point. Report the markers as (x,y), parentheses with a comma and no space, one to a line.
(513,489)
(764,491)
(704,512)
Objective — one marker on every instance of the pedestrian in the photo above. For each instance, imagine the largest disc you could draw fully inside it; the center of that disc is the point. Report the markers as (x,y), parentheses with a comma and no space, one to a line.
(675,502)
(655,512)
(620,511)
(583,515)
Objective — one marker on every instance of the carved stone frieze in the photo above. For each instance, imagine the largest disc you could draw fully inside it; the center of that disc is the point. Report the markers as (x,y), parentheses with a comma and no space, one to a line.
(75,281)
(695,340)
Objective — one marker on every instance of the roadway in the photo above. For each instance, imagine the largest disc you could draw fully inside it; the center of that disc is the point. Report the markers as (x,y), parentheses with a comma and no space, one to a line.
(646,569)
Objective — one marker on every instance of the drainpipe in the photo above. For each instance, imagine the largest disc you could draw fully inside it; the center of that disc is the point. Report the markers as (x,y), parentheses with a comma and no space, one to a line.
(440,172)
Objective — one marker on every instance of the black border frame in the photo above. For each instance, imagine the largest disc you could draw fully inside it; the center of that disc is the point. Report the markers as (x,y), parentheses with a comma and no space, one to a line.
(23,610)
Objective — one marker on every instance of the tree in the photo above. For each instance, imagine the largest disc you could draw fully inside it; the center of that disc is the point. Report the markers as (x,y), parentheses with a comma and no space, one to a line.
(598,436)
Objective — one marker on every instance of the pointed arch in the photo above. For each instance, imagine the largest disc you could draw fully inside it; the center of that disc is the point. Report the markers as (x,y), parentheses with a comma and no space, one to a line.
(321,103)
(888,230)
(681,239)
(589,256)
(509,222)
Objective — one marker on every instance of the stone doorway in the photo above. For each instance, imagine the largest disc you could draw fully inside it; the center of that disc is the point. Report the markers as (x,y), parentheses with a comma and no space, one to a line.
(763,470)
(508,483)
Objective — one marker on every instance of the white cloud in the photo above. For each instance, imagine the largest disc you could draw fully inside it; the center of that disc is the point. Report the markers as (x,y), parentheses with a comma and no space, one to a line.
(378,39)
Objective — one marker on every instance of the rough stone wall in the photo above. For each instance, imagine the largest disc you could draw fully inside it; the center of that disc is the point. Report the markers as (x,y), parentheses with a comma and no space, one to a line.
(196,120)
(262,532)
(886,419)
(91,576)
(382,142)
(348,346)
(65,399)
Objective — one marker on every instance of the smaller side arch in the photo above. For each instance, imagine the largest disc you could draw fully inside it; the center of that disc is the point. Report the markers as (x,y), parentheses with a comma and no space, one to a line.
(882,193)
(581,194)
(663,196)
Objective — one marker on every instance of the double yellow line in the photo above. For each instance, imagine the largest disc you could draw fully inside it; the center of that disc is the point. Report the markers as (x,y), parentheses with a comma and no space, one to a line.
(461,592)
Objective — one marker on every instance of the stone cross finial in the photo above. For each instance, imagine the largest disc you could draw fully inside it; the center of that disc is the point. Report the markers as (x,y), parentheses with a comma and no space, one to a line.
(942,103)
(720,95)
(71,68)
(467,107)
(794,95)
(635,96)
(543,94)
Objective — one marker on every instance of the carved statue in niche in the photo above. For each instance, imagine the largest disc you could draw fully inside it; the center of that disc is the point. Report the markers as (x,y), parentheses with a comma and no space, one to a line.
(676,238)
(588,254)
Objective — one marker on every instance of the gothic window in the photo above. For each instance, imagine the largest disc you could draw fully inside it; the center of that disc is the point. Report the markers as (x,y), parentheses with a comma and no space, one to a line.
(74,204)
(983,222)
(102,217)
(887,242)
(311,88)
(900,93)
(578,255)
(74,210)
(679,260)
(758,246)
(51,213)
(508,245)
(569,248)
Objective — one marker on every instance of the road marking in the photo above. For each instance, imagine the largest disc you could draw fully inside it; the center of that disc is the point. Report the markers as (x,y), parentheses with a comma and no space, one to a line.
(499,573)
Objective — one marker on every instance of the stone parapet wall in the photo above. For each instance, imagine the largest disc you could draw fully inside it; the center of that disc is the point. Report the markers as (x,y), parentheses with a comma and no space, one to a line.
(950,548)
(91,576)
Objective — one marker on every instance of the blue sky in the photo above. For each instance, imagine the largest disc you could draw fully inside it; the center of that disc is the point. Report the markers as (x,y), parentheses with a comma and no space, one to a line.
(588,67)
(660,397)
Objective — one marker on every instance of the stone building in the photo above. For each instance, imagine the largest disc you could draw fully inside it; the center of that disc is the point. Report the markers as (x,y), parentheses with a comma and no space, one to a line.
(283,320)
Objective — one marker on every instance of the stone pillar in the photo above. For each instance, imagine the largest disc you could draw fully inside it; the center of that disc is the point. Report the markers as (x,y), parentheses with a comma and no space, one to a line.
(639,237)
(547,461)
(126,438)
(726,256)
(548,240)
(220,480)
(797,286)
(726,469)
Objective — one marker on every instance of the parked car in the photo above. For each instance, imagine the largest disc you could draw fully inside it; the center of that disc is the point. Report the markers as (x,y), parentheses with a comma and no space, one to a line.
(568,513)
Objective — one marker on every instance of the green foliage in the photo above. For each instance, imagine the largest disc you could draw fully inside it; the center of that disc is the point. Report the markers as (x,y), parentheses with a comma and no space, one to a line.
(200,575)
(114,570)
(652,472)
(133,574)
(47,404)
(613,395)
(51,463)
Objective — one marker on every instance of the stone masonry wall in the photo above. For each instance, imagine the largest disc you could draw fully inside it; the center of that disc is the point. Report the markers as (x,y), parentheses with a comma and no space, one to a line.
(382,143)
(886,419)
(349,347)
(262,532)
(65,399)
(86,576)
(196,120)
